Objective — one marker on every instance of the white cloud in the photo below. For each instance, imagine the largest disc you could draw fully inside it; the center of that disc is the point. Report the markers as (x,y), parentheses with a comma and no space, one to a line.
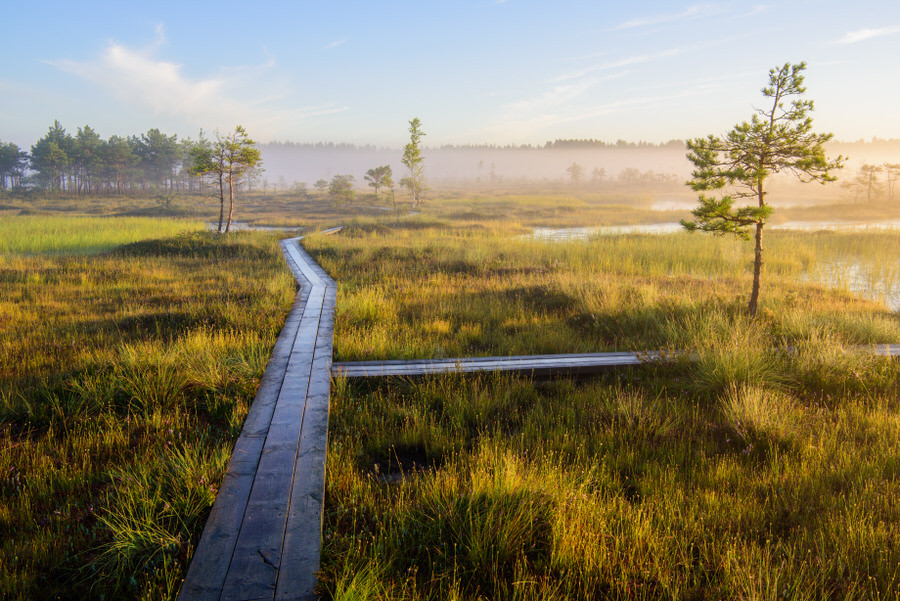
(137,77)
(618,64)
(695,11)
(250,95)
(559,95)
(860,35)
(335,44)
(759,9)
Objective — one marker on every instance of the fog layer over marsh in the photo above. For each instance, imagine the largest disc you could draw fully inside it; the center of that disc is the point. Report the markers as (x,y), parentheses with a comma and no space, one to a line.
(664,168)
(308,163)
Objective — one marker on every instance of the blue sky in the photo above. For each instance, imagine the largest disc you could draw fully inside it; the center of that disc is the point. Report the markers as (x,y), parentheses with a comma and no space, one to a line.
(473,71)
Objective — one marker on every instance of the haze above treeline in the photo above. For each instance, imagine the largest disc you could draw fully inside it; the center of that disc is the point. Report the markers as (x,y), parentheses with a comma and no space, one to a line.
(163,158)
(308,162)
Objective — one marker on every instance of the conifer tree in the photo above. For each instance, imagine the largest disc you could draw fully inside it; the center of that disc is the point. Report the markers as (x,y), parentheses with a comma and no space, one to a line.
(777,139)
(413,160)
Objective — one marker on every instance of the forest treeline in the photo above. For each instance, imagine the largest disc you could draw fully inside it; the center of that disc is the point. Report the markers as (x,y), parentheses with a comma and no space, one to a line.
(554,144)
(155,163)
(152,162)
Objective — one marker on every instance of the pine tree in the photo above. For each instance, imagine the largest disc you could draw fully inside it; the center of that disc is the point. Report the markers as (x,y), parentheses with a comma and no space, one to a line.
(777,139)
(413,160)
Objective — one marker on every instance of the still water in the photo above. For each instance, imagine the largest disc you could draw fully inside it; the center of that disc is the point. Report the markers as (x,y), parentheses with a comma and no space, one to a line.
(873,282)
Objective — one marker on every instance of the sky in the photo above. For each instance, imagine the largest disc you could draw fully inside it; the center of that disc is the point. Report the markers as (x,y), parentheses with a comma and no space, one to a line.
(473,71)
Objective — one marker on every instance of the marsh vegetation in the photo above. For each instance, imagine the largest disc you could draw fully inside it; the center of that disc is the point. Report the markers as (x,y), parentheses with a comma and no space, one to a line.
(129,352)
(765,469)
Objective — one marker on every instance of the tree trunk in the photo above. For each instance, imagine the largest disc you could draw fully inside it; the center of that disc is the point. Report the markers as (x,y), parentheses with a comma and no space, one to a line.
(221,202)
(757,270)
(757,259)
(231,203)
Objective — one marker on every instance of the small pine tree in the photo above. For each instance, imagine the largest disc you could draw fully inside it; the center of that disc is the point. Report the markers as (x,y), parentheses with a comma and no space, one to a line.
(777,139)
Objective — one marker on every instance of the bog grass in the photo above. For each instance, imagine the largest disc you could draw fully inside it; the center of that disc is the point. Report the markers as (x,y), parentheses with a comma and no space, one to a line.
(622,487)
(125,376)
(764,469)
(67,234)
(423,287)
(762,466)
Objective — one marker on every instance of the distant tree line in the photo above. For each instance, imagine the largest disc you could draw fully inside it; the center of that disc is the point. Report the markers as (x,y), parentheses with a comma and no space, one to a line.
(87,164)
(868,181)
(324,146)
(629,175)
(549,145)
(618,144)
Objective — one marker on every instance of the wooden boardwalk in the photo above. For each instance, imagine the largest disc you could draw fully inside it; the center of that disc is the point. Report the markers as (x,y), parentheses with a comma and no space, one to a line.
(263,537)
(537,365)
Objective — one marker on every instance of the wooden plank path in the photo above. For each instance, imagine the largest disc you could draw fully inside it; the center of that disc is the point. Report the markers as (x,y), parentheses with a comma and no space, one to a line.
(263,537)
(537,365)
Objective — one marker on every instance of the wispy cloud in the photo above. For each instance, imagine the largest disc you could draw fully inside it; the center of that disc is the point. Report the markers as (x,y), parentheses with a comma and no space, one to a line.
(559,95)
(860,35)
(249,94)
(530,125)
(759,9)
(136,76)
(618,64)
(696,11)
(335,44)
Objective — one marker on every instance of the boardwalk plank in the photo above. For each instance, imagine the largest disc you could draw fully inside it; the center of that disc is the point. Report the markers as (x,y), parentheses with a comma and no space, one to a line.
(582,363)
(263,536)
(240,552)
(208,570)
(303,533)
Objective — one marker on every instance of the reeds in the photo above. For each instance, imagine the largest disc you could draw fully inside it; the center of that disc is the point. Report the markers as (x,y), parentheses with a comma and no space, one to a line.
(125,377)
(417,288)
(759,466)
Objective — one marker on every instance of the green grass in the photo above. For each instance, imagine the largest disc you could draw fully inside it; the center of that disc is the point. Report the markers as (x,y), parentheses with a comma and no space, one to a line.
(63,235)
(630,486)
(764,469)
(124,380)
(421,287)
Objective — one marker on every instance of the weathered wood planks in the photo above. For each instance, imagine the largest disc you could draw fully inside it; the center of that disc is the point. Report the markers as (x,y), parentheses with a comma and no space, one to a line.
(532,364)
(538,365)
(263,537)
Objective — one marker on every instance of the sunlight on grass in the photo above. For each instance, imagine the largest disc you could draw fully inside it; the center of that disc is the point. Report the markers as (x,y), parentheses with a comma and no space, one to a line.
(58,235)
(125,377)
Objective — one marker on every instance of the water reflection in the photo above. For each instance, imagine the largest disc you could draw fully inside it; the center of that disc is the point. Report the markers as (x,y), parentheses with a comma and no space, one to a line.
(874,282)
(586,233)
(240,226)
(566,234)
(869,281)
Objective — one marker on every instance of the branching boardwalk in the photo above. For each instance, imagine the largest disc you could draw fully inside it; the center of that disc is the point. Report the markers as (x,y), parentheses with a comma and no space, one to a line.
(537,365)
(263,536)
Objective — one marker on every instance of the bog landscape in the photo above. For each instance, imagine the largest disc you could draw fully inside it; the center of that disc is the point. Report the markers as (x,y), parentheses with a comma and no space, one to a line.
(753,454)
